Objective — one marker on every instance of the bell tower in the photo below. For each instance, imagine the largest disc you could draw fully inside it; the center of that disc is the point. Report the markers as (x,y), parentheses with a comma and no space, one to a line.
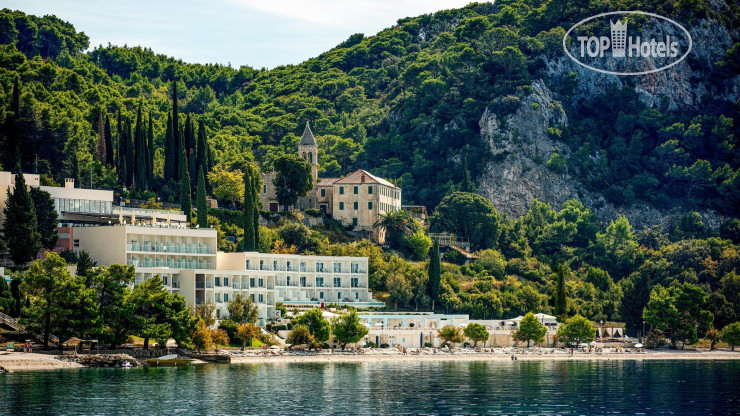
(308,150)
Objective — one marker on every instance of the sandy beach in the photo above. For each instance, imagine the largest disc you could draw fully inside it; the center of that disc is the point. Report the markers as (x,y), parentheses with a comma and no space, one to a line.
(19,361)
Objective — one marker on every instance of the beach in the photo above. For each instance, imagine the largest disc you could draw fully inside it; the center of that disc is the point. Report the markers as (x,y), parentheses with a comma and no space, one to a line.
(19,361)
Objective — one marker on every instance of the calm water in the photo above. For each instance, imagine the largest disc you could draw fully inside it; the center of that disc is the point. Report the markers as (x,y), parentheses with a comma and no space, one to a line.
(501,388)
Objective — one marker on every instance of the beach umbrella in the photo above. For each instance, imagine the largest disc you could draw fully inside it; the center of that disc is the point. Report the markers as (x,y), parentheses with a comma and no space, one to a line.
(154,218)
(168,219)
(274,347)
(120,217)
(133,217)
(361,344)
(638,345)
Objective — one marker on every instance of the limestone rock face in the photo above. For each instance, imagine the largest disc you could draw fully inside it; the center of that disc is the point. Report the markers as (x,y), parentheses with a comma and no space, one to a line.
(517,174)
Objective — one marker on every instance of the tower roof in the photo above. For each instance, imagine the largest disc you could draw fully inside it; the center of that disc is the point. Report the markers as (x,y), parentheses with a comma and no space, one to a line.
(307,137)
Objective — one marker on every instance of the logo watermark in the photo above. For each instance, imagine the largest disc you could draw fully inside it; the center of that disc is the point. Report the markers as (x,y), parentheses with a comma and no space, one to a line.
(627,47)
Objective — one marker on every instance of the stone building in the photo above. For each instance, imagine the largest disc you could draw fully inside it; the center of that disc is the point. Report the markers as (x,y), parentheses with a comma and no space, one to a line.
(356,200)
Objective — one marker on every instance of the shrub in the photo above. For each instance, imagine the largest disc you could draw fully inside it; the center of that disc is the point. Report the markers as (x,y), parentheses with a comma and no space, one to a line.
(384,345)
(313,212)
(557,163)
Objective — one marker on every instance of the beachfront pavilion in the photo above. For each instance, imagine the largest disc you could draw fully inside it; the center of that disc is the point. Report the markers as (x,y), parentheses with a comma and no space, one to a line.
(415,320)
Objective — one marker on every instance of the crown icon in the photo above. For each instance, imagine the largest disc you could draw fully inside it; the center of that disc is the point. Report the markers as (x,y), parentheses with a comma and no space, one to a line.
(619,38)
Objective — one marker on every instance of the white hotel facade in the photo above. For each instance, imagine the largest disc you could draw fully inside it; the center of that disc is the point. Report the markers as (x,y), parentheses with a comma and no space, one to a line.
(156,243)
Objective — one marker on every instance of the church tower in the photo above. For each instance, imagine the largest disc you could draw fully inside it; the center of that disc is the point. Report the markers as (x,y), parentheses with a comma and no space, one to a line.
(308,150)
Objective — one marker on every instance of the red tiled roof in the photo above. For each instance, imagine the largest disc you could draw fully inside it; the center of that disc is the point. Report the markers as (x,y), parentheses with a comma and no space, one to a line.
(327,181)
(356,177)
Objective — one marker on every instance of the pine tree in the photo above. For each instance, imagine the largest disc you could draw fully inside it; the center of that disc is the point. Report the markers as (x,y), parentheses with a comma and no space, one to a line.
(176,132)
(100,150)
(20,229)
(185,200)
(435,274)
(561,296)
(108,142)
(200,201)
(12,133)
(169,152)
(250,239)
(150,159)
(201,159)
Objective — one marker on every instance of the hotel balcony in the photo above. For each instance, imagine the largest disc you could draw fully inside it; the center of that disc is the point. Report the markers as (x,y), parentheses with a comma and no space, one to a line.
(169,248)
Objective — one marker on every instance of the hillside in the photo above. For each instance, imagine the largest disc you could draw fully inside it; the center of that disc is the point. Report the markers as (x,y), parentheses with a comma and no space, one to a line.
(432,91)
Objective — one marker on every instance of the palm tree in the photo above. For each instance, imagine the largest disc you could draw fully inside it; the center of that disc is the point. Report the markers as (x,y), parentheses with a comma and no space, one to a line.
(396,225)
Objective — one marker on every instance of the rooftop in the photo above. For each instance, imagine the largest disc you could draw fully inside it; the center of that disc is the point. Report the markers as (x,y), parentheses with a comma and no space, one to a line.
(307,138)
(363,176)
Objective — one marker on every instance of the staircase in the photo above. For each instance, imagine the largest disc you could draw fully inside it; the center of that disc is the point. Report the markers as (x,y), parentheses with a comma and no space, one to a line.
(12,323)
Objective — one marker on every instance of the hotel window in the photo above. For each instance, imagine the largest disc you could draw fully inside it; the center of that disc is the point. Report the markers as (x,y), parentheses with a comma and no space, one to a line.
(319,267)
(370,189)
(262,265)
(341,206)
(261,282)
(339,295)
(77,243)
(226,281)
(261,298)
(303,281)
(251,282)
(341,190)
(218,313)
(356,190)
(356,205)
(226,297)
(337,267)
(355,268)
(357,295)
(354,222)
(337,282)
(354,282)
(321,295)
(252,296)
(274,265)
(218,297)
(217,280)
(370,205)
(319,282)
(264,189)
(303,266)
(323,192)
(164,280)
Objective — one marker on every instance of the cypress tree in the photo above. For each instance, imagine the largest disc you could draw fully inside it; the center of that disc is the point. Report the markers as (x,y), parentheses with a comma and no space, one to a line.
(467,183)
(123,174)
(130,155)
(435,274)
(250,238)
(561,296)
(141,153)
(20,228)
(150,148)
(201,159)
(176,131)
(108,142)
(169,152)
(185,189)
(200,201)
(100,150)
(256,186)
(12,139)
(120,149)
(190,148)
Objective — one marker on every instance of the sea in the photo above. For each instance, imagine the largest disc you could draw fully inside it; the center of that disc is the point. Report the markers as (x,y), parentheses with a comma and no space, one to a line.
(383,388)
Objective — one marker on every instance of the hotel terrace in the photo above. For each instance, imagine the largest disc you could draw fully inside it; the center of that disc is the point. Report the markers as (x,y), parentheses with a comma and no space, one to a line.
(157,242)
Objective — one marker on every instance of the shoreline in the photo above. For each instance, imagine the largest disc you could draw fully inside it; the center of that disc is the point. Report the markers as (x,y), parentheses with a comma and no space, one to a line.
(17,361)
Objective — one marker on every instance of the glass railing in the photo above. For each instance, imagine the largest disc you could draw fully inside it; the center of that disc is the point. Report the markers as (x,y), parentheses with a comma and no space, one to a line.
(175,285)
(169,248)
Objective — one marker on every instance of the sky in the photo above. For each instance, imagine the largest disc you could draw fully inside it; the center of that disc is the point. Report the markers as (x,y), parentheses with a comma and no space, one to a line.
(257,33)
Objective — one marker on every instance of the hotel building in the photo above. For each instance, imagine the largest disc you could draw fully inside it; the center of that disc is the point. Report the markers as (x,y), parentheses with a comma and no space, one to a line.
(156,242)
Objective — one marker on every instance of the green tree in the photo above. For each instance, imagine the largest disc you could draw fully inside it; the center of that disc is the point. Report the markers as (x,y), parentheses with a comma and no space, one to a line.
(242,310)
(12,148)
(293,179)
(678,309)
(185,201)
(450,335)
(714,336)
(731,334)
(469,215)
(317,325)
(250,205)
(434,283)
(202,339)
(348,329)
(170,152)
(85,266)
(108,142)
(58,301)
(397,226)
(227,185)
(476,332)
(561,292)
(111,288)
(247,333)
(301,335)
(46,217)
(614,250)
(201,158)
(160,315)
(20,229)
(200,200)
(530,329)
(206,312)
(576,330)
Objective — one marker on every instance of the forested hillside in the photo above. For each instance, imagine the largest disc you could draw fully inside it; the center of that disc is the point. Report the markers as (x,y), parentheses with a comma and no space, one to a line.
(441,103)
